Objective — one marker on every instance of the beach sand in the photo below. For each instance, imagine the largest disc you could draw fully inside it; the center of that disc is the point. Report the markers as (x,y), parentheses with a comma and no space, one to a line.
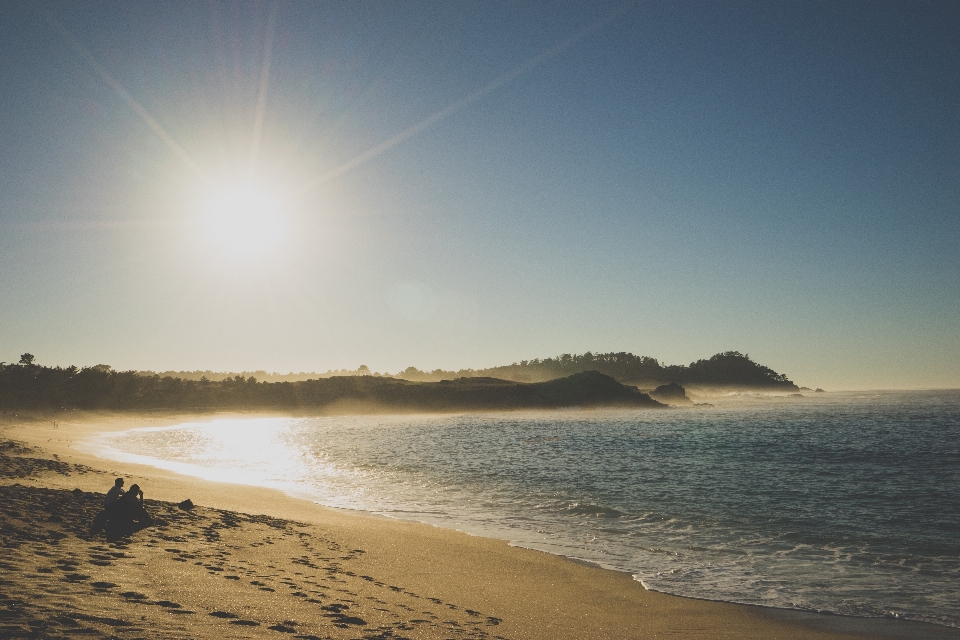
(248,562)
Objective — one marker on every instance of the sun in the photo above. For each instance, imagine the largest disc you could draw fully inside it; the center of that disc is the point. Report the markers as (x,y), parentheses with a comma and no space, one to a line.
(244,219)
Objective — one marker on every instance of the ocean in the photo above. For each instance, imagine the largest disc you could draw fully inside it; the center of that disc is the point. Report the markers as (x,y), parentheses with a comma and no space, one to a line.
(842,502)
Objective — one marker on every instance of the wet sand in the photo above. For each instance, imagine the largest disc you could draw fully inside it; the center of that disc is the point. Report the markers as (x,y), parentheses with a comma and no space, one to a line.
(247,562)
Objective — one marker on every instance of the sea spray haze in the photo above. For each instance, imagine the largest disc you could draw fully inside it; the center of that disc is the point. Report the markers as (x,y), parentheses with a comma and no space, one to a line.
(847,503)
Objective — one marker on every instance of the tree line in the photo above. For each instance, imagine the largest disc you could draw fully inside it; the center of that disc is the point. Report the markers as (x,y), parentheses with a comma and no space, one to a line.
(730,368)
(26,386)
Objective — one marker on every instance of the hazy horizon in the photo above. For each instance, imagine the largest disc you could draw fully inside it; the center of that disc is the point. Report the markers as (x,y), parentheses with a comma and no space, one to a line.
(311,187)
(430,370)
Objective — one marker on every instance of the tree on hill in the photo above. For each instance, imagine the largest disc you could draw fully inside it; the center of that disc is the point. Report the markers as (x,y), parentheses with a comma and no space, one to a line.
(731,367)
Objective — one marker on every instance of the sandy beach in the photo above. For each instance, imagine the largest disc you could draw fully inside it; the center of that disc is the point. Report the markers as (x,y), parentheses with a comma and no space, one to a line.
(248,562)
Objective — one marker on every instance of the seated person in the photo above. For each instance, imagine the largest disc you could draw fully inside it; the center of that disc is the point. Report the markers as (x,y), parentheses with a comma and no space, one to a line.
(115,492)
(130,505)
(121,514)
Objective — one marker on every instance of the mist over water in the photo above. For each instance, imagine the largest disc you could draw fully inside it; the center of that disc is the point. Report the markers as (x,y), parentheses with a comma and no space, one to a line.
(848,503)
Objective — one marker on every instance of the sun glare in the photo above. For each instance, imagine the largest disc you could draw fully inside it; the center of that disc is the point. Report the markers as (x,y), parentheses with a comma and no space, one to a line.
(244,220)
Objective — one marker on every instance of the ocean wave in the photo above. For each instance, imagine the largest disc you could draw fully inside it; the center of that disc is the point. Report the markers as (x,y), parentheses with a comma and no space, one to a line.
(848,505)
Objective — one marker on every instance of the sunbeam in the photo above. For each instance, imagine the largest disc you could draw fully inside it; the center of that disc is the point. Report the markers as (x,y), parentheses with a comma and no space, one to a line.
(467,100)
(125,95)
(264,83)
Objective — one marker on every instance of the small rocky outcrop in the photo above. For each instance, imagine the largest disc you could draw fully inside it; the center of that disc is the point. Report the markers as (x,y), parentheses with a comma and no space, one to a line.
(671,393)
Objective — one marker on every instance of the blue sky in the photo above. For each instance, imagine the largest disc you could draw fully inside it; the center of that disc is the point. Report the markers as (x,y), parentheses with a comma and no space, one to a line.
(671,179)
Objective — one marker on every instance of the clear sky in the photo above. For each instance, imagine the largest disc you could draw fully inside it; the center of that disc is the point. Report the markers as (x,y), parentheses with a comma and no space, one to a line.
(305,186)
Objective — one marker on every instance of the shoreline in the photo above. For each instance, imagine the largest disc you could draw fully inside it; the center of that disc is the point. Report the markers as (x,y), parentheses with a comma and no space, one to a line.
(532,594)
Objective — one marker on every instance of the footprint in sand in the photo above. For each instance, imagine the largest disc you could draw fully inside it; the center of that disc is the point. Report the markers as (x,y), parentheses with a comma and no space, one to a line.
(76,577)
(167,604)
(341,619)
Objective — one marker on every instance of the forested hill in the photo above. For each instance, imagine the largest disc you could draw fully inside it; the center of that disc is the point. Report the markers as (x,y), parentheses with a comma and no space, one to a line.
(569,380)
(728,369)
(29,386)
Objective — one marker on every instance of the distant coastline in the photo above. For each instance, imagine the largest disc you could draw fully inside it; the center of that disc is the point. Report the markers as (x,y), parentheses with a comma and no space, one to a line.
(587,381)
(727,369)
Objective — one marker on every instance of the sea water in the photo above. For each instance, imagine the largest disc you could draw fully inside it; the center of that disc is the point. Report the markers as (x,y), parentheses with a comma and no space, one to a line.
(846,503)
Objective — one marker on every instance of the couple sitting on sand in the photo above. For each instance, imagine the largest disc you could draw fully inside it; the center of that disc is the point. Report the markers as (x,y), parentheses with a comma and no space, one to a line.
(121,509)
